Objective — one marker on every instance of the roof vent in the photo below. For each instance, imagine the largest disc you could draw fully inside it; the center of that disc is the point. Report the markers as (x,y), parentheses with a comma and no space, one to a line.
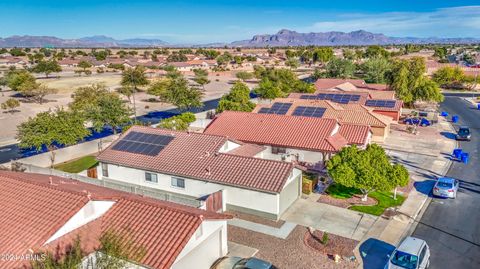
(208,170)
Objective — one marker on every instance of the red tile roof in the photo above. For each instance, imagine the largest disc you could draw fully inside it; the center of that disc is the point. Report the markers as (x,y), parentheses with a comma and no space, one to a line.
(35,206)
(329,83)
(248,150)
(314,134)
(196,156)
(355,134)
(352,113)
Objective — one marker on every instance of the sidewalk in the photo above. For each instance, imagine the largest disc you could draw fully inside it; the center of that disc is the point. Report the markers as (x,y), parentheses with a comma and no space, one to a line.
(426,156)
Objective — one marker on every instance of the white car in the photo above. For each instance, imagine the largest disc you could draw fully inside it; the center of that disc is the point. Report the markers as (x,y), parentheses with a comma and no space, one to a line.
(413,253)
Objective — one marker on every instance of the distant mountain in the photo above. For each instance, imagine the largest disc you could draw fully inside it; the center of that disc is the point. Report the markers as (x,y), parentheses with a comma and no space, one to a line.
(98,41)
(291,38)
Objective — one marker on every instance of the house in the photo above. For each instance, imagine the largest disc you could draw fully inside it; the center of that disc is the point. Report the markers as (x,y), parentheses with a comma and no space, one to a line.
(306,140)
(200,165)
(47,213)
(181,66)
(67,62)
(202,63)
(376,91)
(348,114)
(357,100)
(14,61)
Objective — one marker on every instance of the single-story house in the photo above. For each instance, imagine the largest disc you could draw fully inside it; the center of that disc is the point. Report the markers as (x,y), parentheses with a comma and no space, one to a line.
(376,91)
(198,165)
(46,213)
(181,66)
(305,140)
(359,114)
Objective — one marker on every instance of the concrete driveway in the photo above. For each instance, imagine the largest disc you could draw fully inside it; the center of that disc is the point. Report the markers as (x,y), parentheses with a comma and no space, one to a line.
(335,220)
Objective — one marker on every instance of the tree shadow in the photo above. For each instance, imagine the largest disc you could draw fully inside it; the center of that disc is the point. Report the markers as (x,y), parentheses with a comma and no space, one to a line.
(11,111)
(425,186)
(448,135)
(375,253)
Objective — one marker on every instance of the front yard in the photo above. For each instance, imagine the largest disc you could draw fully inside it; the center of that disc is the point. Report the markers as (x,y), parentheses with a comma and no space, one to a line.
(78,165)
(350,198)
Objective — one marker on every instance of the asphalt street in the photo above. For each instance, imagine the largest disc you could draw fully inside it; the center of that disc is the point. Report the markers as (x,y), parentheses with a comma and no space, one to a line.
(452,227)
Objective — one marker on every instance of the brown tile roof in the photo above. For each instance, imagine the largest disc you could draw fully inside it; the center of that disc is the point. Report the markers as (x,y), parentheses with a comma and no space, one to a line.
(35,206)
(351,113)
(196,156)
(314,134)
(378,91)
(248,150)
(329,83)
(355,134)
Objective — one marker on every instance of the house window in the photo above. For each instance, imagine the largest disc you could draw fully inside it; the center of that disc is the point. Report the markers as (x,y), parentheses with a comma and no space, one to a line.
(178,182)
(104,169)
(278,150)
(151,177)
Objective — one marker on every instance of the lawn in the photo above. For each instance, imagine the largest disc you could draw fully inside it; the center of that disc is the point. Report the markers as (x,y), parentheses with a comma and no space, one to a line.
(384,199)
(78,165)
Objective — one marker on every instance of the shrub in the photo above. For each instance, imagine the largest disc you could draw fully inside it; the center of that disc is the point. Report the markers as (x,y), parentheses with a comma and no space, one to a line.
(324,239)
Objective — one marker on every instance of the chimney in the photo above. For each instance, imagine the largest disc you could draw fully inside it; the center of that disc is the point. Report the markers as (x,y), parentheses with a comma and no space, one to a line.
(50,179)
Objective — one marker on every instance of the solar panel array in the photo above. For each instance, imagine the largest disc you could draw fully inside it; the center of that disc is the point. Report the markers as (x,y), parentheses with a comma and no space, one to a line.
(276,108)
(141,143)
(334,97)
(309,111)
(380,103)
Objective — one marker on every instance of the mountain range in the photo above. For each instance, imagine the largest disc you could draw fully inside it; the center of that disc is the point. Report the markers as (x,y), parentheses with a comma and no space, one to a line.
(282,38)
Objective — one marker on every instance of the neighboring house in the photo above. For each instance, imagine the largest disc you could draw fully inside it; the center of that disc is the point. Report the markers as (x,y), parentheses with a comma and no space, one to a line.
(376,91)
(205,64)
(181,66)
(201,165)
(67,62)
(357,100)
(14,61)
(306,140)
(348,114)
(46,213)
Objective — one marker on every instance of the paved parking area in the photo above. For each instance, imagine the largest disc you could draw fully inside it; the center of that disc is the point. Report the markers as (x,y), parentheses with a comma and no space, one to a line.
(335,220)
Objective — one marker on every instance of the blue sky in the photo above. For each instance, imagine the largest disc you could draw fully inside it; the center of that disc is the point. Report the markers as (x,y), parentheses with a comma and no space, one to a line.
(221,21)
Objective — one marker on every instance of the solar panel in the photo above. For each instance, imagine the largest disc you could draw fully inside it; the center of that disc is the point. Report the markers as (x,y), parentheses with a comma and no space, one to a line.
(309,111)
(380,103)
(276,108)
(141,143)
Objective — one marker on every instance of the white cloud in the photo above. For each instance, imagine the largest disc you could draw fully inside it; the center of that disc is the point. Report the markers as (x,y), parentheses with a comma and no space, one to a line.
(445,22)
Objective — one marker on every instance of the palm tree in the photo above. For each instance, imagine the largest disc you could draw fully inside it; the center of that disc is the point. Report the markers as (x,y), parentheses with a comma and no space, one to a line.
(132,78)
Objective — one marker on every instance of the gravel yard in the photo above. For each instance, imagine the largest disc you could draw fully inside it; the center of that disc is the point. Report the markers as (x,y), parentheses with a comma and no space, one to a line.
(290,253)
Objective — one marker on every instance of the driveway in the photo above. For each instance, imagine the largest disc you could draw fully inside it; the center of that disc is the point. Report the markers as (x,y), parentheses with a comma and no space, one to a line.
(335,220)
(452,227)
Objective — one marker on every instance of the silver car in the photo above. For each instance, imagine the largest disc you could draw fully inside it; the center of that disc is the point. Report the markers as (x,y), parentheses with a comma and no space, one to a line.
(446,187)
(413,253)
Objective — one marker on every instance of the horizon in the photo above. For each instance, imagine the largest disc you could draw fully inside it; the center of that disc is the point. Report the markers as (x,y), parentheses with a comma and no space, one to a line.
(172,21)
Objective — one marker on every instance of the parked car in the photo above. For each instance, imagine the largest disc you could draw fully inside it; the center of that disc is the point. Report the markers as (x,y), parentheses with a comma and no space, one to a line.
(463,133)
(446,187)
(241,263)
(413,253)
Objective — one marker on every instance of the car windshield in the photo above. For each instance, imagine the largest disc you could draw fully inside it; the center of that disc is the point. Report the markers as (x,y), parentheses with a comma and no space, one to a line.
(463,131)
(241,263)
(444,184)
(404,260)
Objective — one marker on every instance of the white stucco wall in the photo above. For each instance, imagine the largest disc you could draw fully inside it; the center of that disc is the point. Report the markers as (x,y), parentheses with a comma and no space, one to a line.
(207,245)
(304,155)
(256,200)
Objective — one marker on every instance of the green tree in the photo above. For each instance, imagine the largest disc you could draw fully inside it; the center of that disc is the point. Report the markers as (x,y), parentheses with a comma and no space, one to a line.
(50,129)
(440,53)
(238,99)
(293,63)
(10,105)
(47,67)
(375,69)
(449,77)
(340,68)
(84,65)
(175,90)
(177,57)
(37,92)
(108,110)
(244,75)
(18,79)
(201,77)
(368,170)
(179,123)
(268,89)
(134,78)
(323,55)
(87,95)
(349,54)
(427,90)
(375,51)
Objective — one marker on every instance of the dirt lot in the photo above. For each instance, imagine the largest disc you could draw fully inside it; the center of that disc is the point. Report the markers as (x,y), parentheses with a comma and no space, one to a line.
(68,82)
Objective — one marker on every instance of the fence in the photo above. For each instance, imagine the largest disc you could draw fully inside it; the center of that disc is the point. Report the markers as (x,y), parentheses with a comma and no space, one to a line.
(121,186)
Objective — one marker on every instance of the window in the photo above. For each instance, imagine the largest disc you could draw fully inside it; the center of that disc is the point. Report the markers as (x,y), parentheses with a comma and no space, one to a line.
(104,169)
(151,177)
(178,182)
(278,150)
(404,260)
(422,254)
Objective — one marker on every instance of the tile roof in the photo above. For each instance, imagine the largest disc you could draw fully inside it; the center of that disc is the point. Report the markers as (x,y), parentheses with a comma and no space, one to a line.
(35,206)
(355,134)
(248,150)
(313,134)
(380,91)
(196,156)
(329,83)
(351,113)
